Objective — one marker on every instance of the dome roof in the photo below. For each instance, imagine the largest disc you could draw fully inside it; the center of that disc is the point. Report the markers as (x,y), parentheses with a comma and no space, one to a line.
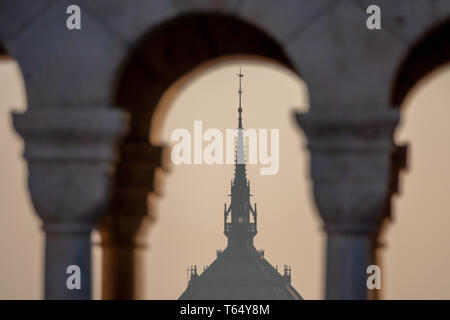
(240,276)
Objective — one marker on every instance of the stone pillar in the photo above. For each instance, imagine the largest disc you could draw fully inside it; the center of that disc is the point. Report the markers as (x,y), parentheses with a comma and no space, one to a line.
(351,168)
(70,154)
(124,228)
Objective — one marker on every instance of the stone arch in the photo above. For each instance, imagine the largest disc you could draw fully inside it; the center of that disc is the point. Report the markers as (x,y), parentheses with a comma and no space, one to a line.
(183,44)
(163,59)
(427,54)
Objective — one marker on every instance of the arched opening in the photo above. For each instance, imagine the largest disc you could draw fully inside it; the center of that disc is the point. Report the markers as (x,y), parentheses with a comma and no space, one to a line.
(429,52)
(417,256)
(189,229)
(177,48)
(171,56)
(21,240)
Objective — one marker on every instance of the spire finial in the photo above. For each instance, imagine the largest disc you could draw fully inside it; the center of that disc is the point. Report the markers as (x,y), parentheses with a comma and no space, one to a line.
(240,75)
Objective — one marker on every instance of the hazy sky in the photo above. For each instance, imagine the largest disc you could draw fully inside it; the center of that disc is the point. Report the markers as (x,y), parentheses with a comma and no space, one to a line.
(21,242)
(287,227)
(417,257)
(189,229)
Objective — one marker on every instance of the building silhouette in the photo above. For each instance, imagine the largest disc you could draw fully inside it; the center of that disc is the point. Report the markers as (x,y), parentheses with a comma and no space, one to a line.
(240,271)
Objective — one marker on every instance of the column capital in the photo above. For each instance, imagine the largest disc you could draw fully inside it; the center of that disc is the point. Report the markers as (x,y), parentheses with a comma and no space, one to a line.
(351,152)
(349,129)
(70,152)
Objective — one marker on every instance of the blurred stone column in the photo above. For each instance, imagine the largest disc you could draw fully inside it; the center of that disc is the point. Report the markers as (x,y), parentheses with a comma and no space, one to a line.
(351,168)
(123,230)
(70,154)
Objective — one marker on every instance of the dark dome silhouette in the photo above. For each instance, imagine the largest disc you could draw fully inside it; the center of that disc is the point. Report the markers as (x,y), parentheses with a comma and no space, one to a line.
(234,277)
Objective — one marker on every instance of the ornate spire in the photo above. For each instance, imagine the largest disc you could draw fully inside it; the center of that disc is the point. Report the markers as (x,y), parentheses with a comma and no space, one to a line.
(223,278)
(240,75)
(240,149)
(240,216)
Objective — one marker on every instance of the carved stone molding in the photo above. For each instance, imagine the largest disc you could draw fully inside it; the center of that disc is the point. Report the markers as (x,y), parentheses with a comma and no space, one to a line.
(70,153)
(351,152)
